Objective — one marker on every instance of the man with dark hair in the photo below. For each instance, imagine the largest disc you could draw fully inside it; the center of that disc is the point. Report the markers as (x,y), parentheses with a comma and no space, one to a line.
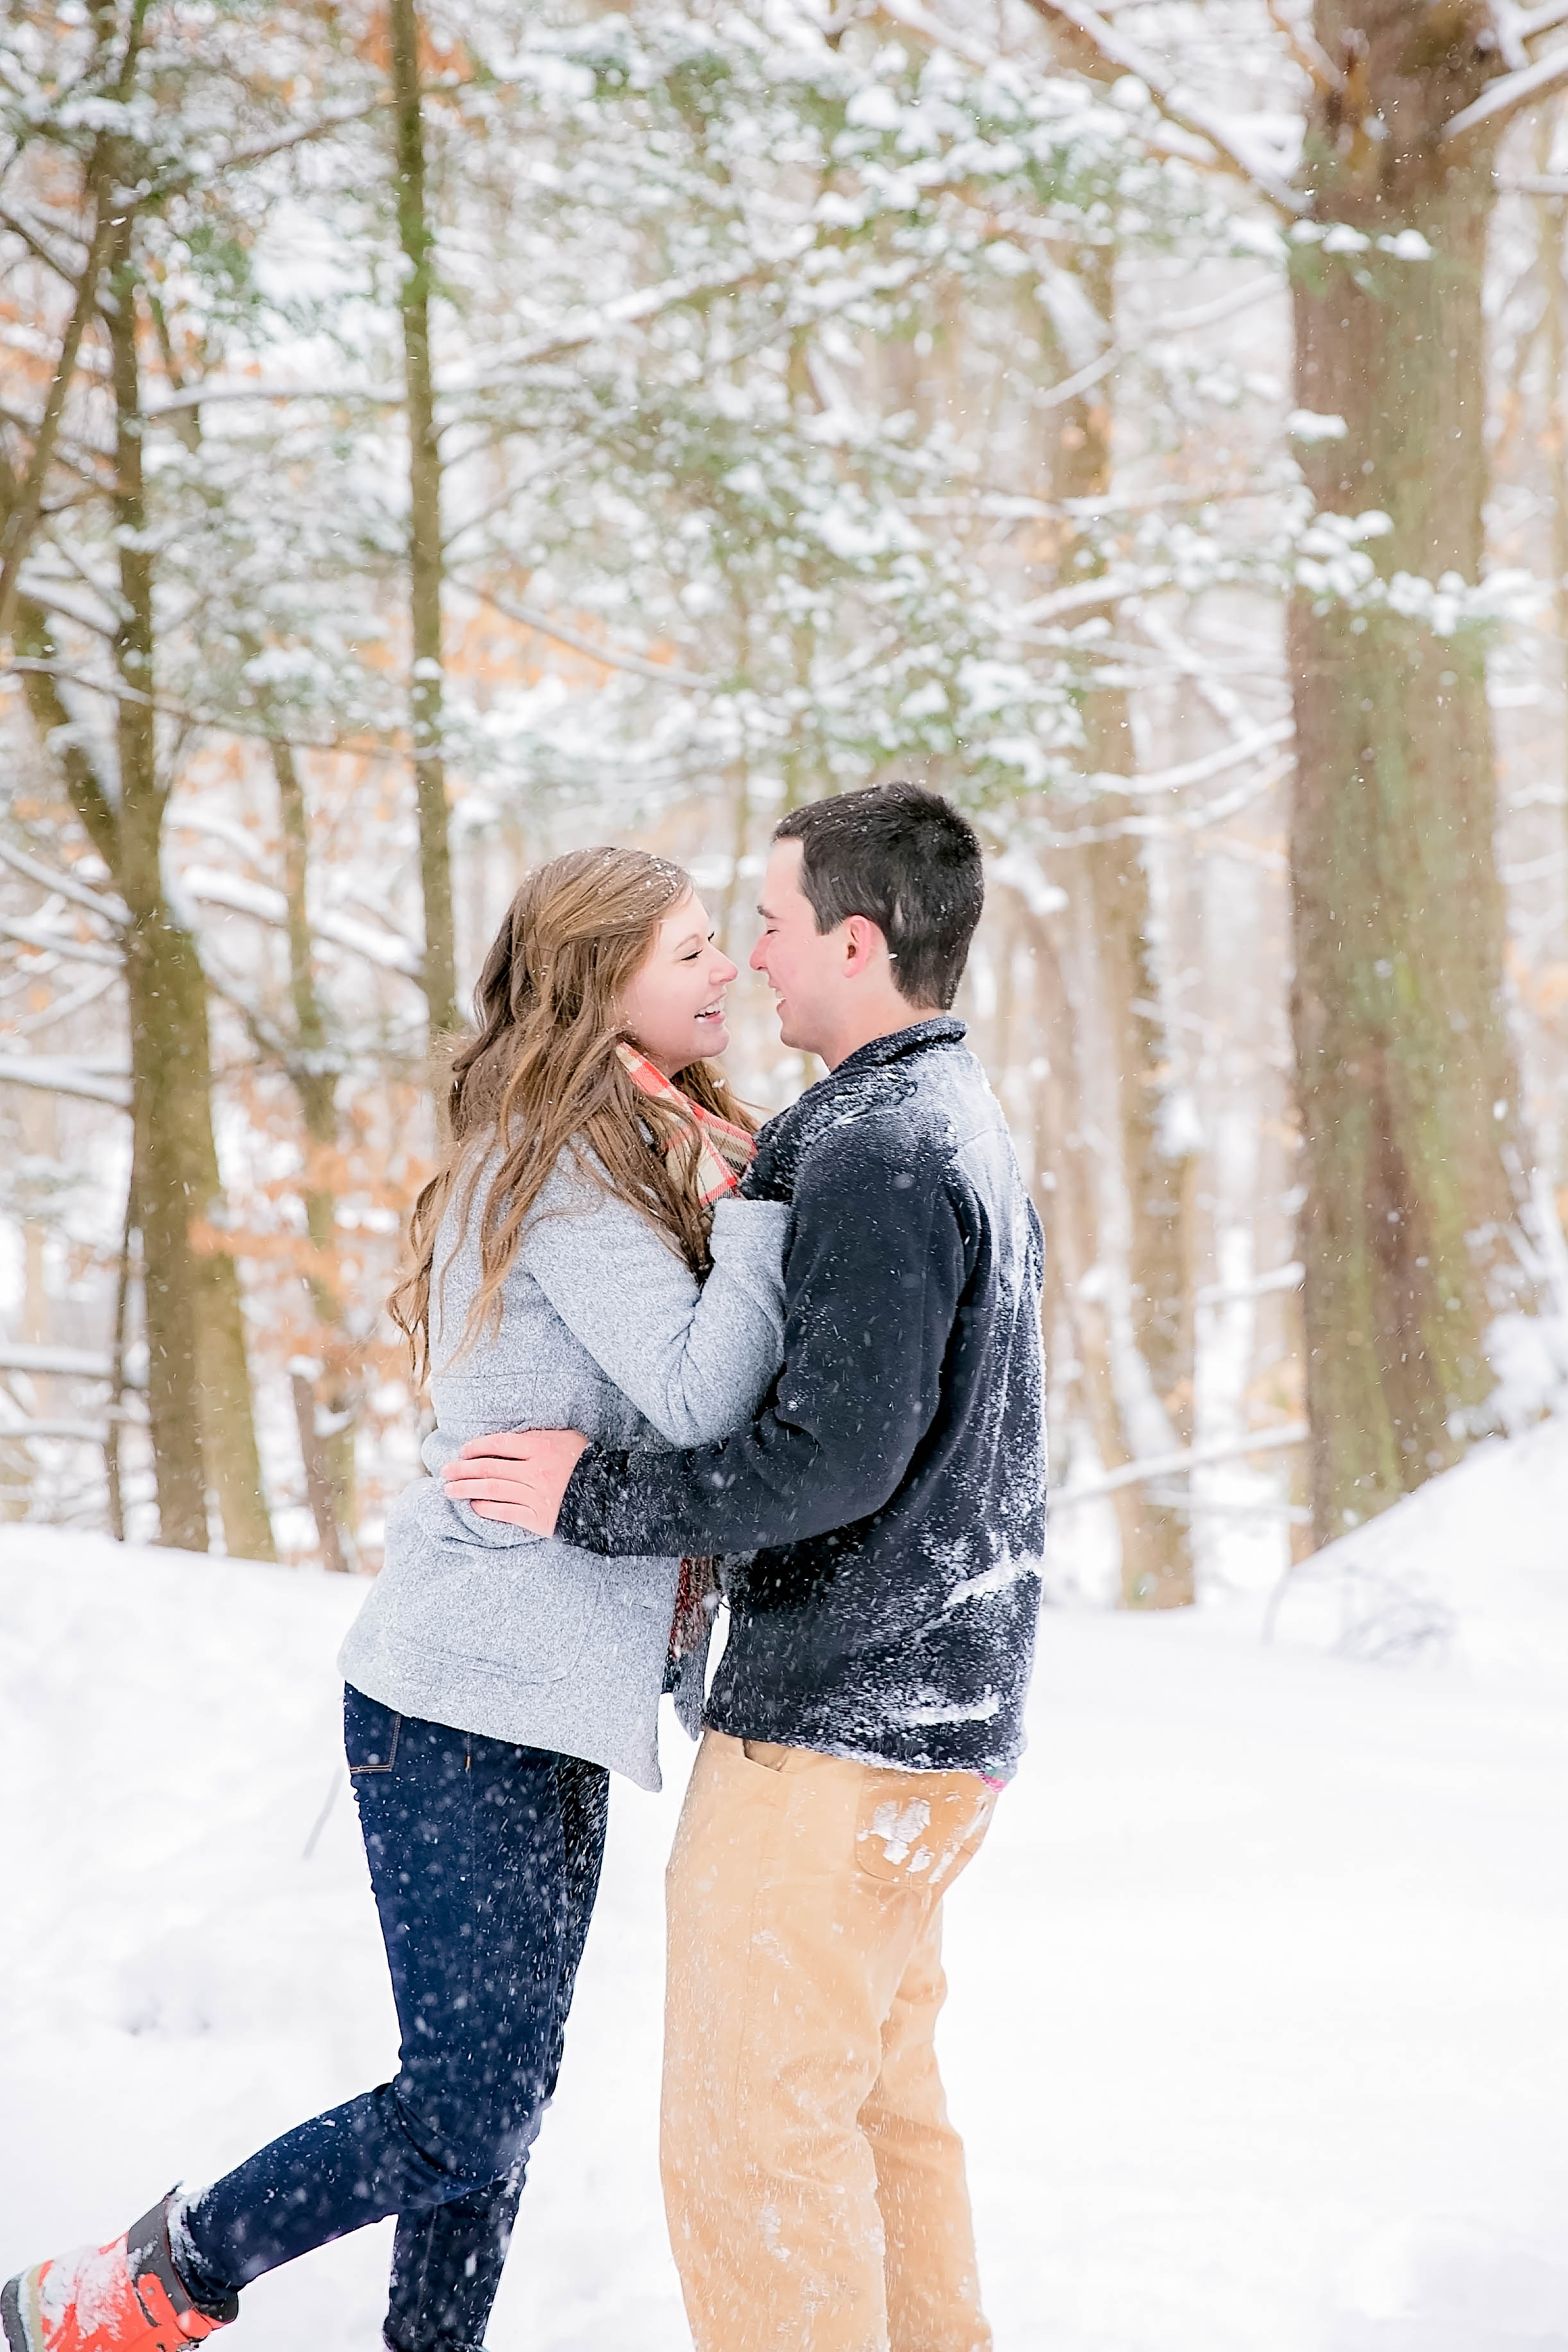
(907,860)
(884,1521)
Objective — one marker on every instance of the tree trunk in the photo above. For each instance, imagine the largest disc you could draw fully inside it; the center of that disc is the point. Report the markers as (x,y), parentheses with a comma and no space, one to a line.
(1409,1094)
(1068,1213)
(425,553)
(199,1399)
(327,1455)
(1155,1183)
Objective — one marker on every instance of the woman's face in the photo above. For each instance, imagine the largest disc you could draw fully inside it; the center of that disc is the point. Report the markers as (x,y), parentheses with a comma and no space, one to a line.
(673,1007)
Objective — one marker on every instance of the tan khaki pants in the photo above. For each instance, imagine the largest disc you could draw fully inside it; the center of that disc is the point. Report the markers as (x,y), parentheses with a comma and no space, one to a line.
(814,2186)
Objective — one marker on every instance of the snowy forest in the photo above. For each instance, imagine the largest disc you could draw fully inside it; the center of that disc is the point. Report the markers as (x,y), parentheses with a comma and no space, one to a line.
(435,437)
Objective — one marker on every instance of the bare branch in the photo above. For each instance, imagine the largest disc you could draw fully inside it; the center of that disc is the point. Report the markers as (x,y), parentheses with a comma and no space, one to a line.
(35,244)
(663,673)
(1306,49)
(27,503)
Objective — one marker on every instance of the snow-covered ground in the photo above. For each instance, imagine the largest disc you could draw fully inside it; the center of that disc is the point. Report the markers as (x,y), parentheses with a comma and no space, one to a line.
(1258,2024)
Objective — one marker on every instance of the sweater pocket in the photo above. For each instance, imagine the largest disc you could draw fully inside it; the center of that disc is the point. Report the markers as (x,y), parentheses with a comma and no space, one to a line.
(528,1616)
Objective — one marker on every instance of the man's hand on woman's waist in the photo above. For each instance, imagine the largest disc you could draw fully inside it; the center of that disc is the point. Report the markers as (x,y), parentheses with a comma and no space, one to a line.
(518,1474)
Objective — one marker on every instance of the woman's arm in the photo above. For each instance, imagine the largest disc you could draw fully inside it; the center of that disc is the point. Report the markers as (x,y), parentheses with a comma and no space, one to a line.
(695,1360)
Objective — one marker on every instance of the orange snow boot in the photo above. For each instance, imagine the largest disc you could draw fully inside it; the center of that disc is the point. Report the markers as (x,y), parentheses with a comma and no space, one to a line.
(126,2296)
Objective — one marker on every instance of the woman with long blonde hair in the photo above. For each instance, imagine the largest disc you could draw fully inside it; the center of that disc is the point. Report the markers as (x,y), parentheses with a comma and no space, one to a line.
(580,1260)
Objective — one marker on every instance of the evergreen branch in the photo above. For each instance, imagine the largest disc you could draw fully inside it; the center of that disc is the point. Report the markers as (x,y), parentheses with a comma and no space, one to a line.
(175,183)
(239,159)
(1095,48)
(635,310)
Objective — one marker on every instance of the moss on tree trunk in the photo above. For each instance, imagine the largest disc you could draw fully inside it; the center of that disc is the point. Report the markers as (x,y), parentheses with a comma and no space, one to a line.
(198,1388)
(1408,1091)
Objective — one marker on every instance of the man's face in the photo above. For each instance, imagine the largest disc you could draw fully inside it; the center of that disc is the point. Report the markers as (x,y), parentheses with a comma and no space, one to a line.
(803,966)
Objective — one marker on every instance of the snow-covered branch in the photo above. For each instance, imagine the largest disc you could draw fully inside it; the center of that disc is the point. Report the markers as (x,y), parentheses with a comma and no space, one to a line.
(211,887)
(1095,48)
(1166,1465)
(1207,314)
(1306,49)
(260,150)
(634,309)
(612,656)
(60,1074)
(1506,97)
(1529,23)
(109,909)
(66,1363)
(39,935)
(226,723)
(204,395)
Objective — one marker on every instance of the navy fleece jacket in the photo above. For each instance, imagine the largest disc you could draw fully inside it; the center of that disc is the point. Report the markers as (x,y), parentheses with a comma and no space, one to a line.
(884,1514)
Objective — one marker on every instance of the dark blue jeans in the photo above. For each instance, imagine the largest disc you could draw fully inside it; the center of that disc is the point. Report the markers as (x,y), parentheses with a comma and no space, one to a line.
(485,1862)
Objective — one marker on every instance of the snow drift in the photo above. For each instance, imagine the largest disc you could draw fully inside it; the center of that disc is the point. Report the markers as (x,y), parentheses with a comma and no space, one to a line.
(1257,2021)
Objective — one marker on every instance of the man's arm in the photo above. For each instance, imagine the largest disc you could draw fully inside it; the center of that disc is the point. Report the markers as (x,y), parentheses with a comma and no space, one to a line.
(872,1286)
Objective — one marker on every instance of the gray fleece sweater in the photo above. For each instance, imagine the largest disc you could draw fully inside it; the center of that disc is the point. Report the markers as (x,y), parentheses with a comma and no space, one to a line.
(603,1328)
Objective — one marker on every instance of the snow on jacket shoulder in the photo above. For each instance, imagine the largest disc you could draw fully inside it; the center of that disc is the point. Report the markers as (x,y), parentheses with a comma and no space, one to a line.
(604,1329)
(891,1496)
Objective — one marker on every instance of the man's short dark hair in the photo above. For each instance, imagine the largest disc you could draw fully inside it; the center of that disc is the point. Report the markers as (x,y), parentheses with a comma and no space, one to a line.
(906,860)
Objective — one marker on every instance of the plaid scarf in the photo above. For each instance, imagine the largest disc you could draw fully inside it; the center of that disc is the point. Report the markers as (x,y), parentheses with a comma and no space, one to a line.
(724,1155)
(724,1150)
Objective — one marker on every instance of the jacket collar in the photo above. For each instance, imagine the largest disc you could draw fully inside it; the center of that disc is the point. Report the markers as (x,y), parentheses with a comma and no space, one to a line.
(943,1030)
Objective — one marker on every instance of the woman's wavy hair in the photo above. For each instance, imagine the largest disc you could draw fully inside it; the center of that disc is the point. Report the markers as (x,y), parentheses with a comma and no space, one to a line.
(542,1076)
